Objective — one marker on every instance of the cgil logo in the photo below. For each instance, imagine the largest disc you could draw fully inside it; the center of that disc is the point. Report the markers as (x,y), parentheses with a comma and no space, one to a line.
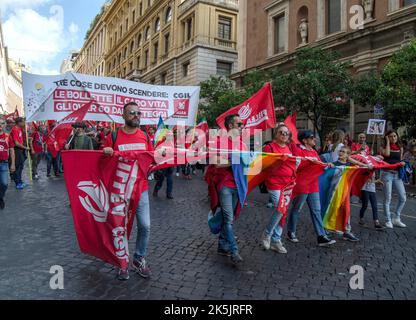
(245,112)
(96,201)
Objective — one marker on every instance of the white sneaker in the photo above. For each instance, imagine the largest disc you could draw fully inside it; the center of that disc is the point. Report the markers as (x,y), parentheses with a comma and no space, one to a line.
(177,174)
(389,225)
(266,242)
(398,223)
(278,246)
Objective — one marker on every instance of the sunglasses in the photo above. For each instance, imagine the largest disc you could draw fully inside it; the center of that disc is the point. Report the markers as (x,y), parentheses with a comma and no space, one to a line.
(134,113)
(283,133)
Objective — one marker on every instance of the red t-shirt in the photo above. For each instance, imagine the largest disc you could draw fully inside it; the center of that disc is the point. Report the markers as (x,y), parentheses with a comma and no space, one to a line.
(38,141)
(4,146)
(227,173)
(17,135)
(357,146)
(280,176)
(301,151)
(137,141)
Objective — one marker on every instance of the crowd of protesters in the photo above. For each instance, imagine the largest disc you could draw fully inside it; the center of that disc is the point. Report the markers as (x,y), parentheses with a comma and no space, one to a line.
(337,148)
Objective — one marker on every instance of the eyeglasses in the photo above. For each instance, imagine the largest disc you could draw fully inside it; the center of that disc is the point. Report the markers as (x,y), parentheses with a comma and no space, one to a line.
(342,151)
(283,133)
(311,137)
(135,113)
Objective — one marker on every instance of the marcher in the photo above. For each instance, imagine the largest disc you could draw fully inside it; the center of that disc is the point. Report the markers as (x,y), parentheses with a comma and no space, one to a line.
(167,172)
(79,140)
(6,153)
(131,138)
(393,154)
(52,151)
(20,151)
(368,192)
(361,146)
(309,194)
(37,149)
(276,181)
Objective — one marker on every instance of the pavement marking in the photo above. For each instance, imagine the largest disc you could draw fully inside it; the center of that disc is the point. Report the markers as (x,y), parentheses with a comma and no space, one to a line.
(403,215)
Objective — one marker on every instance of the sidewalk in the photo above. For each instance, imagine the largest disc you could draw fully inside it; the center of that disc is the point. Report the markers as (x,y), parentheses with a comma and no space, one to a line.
(410,190)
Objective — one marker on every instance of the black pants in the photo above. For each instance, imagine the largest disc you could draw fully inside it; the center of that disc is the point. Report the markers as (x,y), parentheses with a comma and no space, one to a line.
(20,158)
(373,200)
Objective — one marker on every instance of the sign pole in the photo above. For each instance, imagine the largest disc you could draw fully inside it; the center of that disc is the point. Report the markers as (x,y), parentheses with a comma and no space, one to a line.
(29,153)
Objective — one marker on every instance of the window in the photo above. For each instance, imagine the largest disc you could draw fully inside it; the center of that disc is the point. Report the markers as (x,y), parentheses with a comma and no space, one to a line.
(131,66)
(115,62)
(334,16)
(185,69)
(119,58)
(115,37)
(152,81)
(111,42)
(224,68)
(149,3)
(168,17)
(163,79)
(125,53)
(139,40)
(140,9)
(127,24)
(146,58)
(147,33)
(408,2)
(155,51)
(109,66)
(138,63)
(133,16)
(167,40)
(132,47)
(188,29)
(124,72)
(224,28)
(121,31)
(157,25)
(279,34)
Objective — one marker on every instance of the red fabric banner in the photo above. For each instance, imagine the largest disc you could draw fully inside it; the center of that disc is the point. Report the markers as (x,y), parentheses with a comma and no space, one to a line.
(290,123)
(256,113)
(104,193)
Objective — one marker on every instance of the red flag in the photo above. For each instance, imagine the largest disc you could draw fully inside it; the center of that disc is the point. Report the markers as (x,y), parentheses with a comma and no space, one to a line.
(64,127)
(12,116)
(290,123)
(256,113)
(104,193)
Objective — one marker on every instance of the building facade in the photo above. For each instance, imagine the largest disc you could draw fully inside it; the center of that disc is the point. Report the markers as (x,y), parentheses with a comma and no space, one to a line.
(11,92)
(365,32)
(68,64)
(167,42)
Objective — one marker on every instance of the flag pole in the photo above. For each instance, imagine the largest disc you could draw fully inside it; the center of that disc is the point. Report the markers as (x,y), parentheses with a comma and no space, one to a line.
(29,155)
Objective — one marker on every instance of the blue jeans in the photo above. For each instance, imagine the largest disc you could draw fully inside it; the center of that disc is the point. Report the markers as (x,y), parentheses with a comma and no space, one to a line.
(4,178)
(314,205)
(228,202)
(50,161)
(392,178)
(168,172)
(274,229)
(143,226)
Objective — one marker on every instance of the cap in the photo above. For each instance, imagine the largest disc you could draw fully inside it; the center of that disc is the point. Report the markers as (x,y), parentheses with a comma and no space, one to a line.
(79,125)
(305,134)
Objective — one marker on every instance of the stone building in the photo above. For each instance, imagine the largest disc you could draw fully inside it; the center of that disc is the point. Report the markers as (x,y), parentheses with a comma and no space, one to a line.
(167,42)
(365,32)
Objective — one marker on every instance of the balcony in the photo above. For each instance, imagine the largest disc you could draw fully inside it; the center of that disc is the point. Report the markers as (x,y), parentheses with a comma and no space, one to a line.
(229,4)
(134,75)
(226,43)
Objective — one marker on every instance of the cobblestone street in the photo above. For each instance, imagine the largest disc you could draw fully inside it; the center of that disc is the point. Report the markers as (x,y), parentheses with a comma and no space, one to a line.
(37,232)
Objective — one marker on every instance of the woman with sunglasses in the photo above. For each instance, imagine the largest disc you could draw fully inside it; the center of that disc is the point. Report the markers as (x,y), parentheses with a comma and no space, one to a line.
(276,181)
(393,154)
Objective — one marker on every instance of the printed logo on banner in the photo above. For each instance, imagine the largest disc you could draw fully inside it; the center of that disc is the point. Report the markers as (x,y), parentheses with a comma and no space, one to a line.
(99,197)
(245,112)
(181,107)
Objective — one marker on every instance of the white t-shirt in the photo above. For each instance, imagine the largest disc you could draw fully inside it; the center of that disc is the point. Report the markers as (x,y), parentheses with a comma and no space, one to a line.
(335,153)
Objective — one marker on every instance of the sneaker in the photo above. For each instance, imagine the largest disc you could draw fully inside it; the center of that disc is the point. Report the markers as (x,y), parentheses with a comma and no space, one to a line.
(36,176)
(398,223)
(269,205)
(378,226)
(225,253)
(123,274)
(389,225)
(350,237)
(2,204)
(361,222)
(19,186)
(141,268)
(170,197)
(324,241)
(278,246)
(24,185)
(266,242)
(177,174)
(291,236)
(236,258)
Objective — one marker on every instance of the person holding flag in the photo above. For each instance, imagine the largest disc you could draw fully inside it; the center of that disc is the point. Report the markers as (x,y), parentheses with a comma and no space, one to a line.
(20,152)
(37,148)
(6,153)
(307,192)
(278,182)
(131,138)
(79,140)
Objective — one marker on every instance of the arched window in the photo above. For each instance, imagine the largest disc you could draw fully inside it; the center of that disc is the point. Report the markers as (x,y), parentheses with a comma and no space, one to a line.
(147,33)
(157,25)
(139,40)
(168,17)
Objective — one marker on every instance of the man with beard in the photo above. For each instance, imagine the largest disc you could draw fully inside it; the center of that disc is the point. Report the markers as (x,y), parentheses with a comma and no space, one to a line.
(131,138)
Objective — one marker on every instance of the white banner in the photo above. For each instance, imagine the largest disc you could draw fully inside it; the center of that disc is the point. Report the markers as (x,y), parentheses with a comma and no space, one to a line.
(54,97)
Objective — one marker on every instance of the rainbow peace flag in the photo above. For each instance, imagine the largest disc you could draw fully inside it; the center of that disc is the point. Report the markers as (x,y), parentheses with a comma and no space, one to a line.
(250,169)
(335,191)
(161,132)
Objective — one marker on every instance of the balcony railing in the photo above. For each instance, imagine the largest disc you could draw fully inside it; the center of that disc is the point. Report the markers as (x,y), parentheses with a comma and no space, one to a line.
(230,4)
(226,43)
(134,74)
